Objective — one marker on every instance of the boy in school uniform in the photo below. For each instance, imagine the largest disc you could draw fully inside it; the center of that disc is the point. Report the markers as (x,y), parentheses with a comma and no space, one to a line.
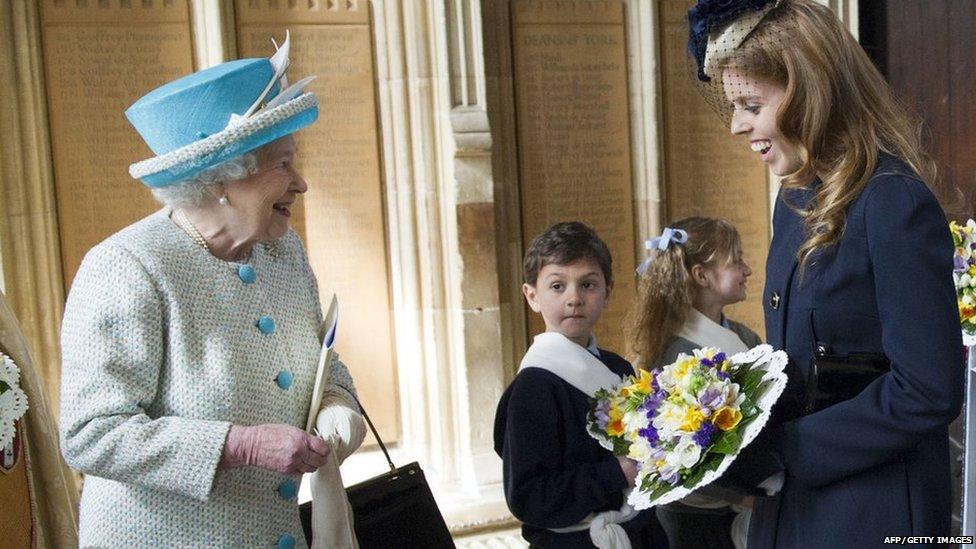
(566,489)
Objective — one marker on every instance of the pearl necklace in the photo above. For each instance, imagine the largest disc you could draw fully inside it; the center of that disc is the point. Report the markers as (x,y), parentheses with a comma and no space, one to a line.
(185,224)
(181,220)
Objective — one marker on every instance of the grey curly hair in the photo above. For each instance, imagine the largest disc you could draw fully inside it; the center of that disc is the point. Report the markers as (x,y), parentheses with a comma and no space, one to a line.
(191,192)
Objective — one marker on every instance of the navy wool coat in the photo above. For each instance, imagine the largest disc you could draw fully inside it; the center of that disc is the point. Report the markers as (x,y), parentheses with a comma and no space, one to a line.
(876,465)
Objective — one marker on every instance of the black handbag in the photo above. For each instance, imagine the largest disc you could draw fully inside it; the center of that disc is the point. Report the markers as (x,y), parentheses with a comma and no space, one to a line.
(395,509)
(834,378)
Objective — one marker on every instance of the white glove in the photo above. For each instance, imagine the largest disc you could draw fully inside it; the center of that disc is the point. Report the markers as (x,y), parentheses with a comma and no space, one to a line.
(337,418)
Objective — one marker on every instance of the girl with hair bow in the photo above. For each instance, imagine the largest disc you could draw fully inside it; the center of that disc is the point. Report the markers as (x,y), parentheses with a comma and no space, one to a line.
(695,270)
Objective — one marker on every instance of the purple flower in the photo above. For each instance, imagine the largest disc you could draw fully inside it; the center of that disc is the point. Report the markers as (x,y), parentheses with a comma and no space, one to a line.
(703,437)
(649,433)
(719,358)
(670,475)
(706,362)
(959,264)
(652,403)
(602,413)
(710,398)
(722,375)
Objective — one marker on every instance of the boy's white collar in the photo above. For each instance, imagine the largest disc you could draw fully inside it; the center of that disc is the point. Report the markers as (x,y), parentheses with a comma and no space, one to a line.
(573,364)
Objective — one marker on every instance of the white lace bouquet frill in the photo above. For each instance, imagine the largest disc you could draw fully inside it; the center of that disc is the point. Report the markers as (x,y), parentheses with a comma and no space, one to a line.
(685,423)
(13,400)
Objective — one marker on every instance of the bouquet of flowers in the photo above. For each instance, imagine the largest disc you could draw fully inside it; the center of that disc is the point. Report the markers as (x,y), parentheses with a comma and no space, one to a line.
(964,276)
(686,422)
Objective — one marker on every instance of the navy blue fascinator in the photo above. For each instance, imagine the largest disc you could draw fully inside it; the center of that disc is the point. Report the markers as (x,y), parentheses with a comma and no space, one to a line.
(710,15)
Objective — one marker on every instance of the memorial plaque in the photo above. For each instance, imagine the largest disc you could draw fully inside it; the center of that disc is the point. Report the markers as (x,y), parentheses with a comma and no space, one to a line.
(574,136)
(708,171)
(342,216)
(99,57)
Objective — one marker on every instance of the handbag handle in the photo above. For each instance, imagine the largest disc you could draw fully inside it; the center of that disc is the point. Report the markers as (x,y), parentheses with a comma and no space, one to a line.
(371,427)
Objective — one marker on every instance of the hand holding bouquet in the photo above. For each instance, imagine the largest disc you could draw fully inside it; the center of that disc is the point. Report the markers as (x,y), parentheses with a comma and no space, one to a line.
(686,422)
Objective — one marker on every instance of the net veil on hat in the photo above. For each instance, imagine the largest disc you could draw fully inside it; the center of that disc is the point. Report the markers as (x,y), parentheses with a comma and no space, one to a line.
(219,113)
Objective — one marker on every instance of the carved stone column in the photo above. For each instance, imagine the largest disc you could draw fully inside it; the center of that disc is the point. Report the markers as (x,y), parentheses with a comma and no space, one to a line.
(484,374)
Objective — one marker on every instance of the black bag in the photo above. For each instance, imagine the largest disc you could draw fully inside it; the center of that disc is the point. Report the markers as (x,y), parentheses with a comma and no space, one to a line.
(395,509)
(834,378)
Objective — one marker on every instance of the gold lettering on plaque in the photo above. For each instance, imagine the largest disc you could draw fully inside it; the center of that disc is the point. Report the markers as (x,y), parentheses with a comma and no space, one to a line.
(574,135)
(98,60)
(342,219)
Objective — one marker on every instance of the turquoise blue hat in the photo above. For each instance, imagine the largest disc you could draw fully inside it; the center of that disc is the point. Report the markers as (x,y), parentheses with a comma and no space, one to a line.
(216,114)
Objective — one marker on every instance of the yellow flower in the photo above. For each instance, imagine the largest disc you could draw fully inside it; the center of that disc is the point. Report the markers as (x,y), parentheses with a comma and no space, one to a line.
(641,385)
(972,270)
(615,427)
(726,418)
(682,368)
(692,419)
(966,312)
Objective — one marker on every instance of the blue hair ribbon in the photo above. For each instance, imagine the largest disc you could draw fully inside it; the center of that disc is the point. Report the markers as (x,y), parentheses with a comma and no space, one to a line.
(662,243)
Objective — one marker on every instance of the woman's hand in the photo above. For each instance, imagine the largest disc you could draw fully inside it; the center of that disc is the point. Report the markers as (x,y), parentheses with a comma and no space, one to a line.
(342,426)
(280,448)
(629,467)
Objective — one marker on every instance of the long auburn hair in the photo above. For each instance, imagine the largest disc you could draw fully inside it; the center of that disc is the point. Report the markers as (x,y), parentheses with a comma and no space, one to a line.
(666,292)
(838,110)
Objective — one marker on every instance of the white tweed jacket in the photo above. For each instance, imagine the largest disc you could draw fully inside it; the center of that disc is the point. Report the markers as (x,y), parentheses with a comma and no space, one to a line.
(164,347)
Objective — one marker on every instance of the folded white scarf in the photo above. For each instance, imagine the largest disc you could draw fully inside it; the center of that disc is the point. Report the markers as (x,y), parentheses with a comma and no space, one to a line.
(575,365)
(332,519)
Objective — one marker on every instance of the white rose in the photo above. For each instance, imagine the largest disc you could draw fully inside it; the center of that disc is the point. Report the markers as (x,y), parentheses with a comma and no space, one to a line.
(685,454)
(669,418)
(635,420)
(666,381)
(640,451)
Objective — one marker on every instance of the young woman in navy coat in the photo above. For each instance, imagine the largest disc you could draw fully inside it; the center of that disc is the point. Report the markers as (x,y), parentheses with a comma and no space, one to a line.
(860,261)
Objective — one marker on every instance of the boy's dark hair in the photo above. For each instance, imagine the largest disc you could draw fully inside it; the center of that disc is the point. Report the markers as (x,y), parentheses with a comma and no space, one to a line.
(566,243)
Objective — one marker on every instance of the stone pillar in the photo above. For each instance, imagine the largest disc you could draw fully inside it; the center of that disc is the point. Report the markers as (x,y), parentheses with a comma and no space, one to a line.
(436,148)
(214,39)
(483,375)
(646,123)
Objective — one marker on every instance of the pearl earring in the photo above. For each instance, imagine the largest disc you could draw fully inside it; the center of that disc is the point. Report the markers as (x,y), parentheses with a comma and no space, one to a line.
(223,201)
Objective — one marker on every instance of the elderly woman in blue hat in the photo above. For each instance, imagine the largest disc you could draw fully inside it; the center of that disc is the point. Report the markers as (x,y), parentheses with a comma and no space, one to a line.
(190,338)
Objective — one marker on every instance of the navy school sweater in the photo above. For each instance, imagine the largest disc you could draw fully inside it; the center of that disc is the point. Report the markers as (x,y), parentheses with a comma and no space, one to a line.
(555,473)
